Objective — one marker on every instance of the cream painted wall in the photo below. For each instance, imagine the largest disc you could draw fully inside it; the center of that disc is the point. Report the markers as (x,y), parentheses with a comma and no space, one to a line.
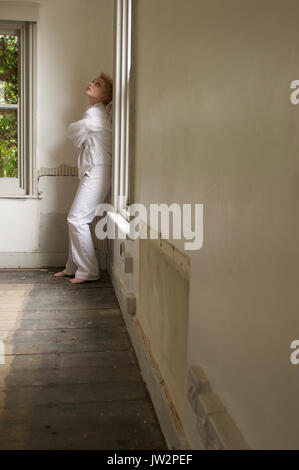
(17,235)
(74,45)
(214,125)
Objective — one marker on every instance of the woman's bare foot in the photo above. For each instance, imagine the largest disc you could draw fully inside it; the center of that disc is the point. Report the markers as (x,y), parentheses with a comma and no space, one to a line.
(59,274)
(76,280)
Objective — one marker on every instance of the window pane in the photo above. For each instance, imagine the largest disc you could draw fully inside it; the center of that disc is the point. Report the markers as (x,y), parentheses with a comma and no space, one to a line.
(9,53)
(8,143)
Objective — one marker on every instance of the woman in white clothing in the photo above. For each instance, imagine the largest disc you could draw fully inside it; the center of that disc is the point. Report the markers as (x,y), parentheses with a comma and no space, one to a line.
(93,135)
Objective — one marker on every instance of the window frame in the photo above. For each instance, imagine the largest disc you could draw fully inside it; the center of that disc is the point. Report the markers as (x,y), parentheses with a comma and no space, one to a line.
(123,112)
(25,184)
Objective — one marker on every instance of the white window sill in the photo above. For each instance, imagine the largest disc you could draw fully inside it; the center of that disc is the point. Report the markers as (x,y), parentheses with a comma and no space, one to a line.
(121,223)
(125,214)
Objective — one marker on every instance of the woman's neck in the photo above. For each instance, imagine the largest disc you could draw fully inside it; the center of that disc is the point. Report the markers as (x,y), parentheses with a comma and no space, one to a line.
(93,102)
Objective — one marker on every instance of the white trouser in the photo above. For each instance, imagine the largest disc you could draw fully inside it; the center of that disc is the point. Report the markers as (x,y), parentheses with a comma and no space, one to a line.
(82,261)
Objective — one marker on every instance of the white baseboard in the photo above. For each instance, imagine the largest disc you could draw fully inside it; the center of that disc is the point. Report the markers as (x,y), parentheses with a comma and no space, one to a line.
(171,428)
(37,259)
(42,259)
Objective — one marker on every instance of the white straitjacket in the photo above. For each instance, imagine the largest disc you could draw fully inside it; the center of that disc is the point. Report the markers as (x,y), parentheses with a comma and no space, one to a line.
(93,135)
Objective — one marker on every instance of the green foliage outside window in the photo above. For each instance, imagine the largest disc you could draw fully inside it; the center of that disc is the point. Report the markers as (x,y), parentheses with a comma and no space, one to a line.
(9,48)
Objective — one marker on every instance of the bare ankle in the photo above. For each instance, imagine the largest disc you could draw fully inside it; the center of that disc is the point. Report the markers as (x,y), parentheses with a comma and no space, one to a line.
(59,274)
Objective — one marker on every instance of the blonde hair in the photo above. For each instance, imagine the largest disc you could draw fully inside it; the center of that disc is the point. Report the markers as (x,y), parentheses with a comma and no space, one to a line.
(108,87)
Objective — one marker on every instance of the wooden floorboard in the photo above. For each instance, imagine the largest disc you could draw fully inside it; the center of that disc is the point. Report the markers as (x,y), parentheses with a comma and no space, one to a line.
(71,378)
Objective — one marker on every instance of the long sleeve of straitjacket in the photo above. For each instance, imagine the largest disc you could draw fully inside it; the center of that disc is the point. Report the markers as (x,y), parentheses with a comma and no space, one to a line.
(95,120)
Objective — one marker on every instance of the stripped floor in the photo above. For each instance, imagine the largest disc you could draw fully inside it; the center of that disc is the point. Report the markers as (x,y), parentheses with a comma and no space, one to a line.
(70,378)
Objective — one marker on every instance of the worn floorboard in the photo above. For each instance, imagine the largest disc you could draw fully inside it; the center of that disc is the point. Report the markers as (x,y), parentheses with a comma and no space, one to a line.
(71,378)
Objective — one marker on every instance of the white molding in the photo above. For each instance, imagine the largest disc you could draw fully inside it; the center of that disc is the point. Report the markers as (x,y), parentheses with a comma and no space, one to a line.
(26,183)
(9,106)
(31,104)
(121,101)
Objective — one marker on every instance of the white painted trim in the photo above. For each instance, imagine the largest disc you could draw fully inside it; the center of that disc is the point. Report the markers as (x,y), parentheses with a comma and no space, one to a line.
(31,105)
(26,183)
(9,106)
(121,101)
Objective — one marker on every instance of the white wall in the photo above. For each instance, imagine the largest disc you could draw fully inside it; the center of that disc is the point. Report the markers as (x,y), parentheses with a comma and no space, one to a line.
(74,45)
(214,125)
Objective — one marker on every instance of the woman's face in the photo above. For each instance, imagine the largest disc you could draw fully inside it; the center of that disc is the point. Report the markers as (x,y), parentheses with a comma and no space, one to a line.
(95,91)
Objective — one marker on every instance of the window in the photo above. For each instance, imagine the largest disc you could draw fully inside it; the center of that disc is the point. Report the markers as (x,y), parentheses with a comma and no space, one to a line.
(123,116)
(17,68)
